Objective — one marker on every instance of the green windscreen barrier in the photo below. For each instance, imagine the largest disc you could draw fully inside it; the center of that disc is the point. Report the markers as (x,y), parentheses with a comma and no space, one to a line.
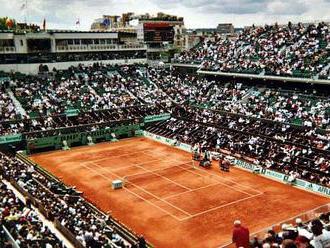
(152,118)
(10,138)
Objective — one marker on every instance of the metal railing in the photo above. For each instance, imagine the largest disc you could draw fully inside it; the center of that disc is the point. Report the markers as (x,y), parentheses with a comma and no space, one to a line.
(97,47)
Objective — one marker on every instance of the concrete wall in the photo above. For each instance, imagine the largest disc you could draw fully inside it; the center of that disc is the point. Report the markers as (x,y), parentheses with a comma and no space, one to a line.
(33,68)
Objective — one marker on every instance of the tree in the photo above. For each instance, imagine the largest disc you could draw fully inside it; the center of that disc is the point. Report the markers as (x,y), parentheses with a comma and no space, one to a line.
(7,23)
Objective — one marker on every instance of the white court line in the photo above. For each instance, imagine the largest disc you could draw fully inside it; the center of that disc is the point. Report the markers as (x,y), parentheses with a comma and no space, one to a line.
(186,213)
(229,180)
(160,169)
(236,188)
(226,179)
(192,190)
(220,182)
(125,167)
(149,193)
(138,165)
(138,196)
(149,171)
(203,212)
(189,189)
(116,156)
(221,206)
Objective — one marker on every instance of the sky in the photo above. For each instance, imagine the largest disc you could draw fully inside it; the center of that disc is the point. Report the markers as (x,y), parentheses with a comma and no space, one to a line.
(63,14)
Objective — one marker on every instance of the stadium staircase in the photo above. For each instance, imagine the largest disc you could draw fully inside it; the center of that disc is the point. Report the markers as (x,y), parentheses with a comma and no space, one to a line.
(17,104)
(247,95)
(92,90)
(245,47)
(128,91)
(158,87)
(326,68)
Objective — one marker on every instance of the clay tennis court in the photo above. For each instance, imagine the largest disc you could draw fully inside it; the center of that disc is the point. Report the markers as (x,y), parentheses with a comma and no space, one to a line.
(166,198)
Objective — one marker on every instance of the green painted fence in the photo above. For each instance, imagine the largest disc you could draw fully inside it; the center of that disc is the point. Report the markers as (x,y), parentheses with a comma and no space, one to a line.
(56,142)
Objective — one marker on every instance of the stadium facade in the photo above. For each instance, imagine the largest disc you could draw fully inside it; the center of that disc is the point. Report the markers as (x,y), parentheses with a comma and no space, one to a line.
(24,52)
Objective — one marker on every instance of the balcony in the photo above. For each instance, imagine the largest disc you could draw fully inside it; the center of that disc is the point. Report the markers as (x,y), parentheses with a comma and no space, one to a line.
(7,49)
(99,47)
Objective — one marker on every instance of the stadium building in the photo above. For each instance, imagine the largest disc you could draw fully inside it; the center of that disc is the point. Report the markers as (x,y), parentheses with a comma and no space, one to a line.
(225,28)
(25,51)
(162,33)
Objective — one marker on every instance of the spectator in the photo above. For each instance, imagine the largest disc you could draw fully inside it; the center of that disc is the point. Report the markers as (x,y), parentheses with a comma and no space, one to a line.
(302,242)
(321,236)
(241,235)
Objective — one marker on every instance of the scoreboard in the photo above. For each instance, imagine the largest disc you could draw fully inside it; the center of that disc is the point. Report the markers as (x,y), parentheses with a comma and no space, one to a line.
(158,32)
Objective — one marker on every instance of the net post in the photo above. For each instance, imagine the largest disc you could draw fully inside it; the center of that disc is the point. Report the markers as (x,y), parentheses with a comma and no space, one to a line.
(193,158)
(194,165)
(124,181)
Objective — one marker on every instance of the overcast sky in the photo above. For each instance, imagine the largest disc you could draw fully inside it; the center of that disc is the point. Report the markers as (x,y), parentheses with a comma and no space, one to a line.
(196,13)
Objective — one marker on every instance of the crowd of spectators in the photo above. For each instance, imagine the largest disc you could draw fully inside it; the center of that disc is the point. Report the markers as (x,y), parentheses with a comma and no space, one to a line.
(90,227)
(325,73)
(8,110)
(315,233)
(139,85)
(84,121)
(306,109)
(23,222)
(299,106)
(304,136)
(80,88)
(42,97)
(93,87)
(190,89)
(264,145)
(281,50)
(101,87)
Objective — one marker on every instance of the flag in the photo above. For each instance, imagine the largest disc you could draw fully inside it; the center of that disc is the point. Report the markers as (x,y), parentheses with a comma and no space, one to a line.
(44,24)
(78,22)
(9,23)
(23,6)
(106,22)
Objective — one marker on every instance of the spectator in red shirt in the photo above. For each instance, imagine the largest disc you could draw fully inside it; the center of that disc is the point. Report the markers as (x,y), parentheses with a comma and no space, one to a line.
(241,235)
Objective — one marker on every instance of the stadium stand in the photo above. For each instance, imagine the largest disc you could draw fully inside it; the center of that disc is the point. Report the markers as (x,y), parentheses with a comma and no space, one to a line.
(303,107)
(82,121)
(139,85)
(314,233)
(290,50)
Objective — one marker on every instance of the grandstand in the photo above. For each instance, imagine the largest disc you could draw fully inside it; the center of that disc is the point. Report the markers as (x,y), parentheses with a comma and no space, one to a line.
(299,51)
(259,101)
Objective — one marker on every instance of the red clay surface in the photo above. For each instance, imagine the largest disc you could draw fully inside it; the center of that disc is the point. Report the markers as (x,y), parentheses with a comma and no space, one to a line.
(169,201)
